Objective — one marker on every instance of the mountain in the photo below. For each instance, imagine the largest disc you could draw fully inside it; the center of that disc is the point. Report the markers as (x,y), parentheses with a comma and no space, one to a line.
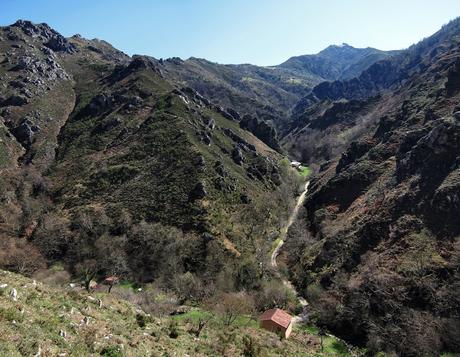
(107,167)
(268,94)
(169,174)
(336,62)
(377,252)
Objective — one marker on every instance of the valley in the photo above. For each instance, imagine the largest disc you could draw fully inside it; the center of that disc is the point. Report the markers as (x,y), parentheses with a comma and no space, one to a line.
(174,178)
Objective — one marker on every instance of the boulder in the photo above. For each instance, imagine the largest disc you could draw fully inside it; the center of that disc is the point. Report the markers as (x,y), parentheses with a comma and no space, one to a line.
(25,132)
(199,192)
(200,161)
(100,103)
(223,186)
(220,169)
(237,155)
(245,198)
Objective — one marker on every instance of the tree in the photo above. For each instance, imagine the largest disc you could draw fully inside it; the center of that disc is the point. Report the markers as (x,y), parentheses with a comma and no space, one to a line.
(231,305)
(87,270)
(52,236)
(273,294)
(20,256)
(187,287)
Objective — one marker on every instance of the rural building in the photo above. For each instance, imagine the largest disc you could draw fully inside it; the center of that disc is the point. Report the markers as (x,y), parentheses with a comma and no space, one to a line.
(295,164)
(278,321)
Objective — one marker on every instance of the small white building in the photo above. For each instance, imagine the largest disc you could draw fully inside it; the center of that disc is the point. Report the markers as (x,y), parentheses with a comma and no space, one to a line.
(295,164)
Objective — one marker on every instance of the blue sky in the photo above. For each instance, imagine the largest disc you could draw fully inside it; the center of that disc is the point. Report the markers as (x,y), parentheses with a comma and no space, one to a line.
(262,32)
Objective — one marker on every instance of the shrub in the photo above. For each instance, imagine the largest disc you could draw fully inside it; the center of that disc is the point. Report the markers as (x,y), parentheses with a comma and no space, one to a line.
(10,314)
(250,348)
(112,351)
(173,330)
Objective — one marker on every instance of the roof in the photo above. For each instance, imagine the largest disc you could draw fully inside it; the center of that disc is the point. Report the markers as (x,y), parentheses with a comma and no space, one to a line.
(278,316)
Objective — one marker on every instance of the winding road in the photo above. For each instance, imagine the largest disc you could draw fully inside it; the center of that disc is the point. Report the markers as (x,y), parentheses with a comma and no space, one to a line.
(277,249)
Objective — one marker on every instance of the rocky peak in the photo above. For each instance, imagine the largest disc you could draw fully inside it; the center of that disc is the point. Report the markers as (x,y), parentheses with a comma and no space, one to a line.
(51,38)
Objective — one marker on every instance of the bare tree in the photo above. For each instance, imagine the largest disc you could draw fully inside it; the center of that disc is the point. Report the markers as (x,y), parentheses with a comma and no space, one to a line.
(232,305)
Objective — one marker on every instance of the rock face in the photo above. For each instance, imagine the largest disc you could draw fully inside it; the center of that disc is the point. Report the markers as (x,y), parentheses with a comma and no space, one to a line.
(262,130)
(51,38)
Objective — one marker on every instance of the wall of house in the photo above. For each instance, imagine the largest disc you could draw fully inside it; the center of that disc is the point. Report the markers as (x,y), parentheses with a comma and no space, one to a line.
(271,326)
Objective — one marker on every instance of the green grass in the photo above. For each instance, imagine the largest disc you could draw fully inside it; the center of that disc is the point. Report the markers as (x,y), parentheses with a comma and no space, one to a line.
(128,285)
(308,328)
(334,347)
(194,315)
(331,345)
(274,245)
(197,314)
(304,171)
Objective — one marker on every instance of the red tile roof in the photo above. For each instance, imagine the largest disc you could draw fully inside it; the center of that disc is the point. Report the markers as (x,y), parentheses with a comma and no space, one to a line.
(278,316)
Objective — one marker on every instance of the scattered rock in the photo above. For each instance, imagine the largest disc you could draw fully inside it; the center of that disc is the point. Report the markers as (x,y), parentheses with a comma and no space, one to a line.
(239,140)
(237,155)
(234,114)
(221,185)
(199,192)
(245,198)
(220,169)
(14,294)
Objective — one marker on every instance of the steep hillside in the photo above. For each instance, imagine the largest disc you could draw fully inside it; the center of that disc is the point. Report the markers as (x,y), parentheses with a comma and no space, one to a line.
(57,321)
(109,168)
(379,260)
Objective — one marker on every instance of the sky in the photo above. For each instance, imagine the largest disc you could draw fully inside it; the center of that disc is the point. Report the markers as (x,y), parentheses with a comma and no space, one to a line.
(262,32)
